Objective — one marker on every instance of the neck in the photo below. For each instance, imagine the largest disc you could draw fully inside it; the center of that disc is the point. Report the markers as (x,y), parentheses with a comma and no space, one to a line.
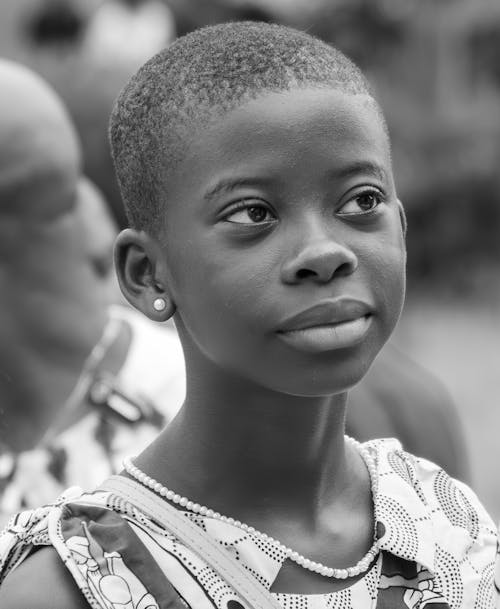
(243,449)
(38,372)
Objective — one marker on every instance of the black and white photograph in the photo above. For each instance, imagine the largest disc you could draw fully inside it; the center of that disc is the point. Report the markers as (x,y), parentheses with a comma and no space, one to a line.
(249,304)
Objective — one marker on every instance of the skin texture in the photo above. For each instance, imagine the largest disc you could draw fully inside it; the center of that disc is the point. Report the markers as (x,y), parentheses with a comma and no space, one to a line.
(49,585)
(49,276)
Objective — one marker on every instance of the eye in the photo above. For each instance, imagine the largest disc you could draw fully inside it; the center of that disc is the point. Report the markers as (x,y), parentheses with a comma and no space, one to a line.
(363,203)
(248,213)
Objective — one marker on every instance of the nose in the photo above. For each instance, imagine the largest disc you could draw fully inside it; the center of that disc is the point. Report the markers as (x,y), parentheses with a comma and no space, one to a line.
(320,259)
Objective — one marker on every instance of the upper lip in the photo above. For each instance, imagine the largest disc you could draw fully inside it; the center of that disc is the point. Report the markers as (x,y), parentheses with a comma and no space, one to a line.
(325,313)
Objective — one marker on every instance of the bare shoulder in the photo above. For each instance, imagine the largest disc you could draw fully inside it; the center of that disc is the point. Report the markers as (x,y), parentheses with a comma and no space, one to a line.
(41,582)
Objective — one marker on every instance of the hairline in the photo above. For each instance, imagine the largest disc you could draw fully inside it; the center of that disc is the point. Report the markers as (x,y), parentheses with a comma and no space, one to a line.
(178,93)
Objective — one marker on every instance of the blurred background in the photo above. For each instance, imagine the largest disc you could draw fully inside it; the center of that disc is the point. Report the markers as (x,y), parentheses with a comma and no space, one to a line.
(435,66)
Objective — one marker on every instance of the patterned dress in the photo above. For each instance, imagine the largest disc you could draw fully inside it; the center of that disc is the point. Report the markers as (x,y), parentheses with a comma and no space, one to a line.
(437,545)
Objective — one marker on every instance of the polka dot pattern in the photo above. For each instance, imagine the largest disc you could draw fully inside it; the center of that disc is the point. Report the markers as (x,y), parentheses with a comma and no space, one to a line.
(455,504)
(484,589)
(401,536)
(399,465)
(341,600)
(449,578)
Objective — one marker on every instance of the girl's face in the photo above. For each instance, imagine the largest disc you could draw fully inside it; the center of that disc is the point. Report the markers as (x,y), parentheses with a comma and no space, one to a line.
(284,246)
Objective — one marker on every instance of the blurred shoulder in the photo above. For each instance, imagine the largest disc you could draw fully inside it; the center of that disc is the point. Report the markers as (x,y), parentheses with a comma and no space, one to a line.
(408,380)
(413,405)
(50,584)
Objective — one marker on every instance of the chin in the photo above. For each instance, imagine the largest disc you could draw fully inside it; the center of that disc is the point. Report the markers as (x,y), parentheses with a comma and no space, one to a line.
(328,379)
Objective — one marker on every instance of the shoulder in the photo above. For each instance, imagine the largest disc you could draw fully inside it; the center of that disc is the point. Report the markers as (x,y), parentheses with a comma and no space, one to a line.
(413,405)
(436,521)
(50,584)
(33,573)
(394,373)
(453,507)
(433,484)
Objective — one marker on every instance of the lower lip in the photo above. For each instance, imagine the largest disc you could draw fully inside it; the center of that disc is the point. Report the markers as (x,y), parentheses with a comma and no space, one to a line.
(329,337)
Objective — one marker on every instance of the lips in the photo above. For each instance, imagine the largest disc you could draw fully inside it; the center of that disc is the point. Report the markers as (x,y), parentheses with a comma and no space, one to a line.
(328,326)
(327,313)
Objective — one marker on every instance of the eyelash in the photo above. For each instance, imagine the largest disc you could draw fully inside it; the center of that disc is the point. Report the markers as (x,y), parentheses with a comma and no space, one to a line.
(367,192)
(247,204)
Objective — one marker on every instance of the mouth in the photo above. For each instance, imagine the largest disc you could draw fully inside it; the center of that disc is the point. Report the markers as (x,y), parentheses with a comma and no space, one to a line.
(331,325)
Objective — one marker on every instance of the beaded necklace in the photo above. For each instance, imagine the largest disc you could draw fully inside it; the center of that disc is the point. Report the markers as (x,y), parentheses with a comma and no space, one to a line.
(360,567)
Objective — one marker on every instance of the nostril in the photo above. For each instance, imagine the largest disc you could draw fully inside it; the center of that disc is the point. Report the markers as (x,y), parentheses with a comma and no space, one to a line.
(305,273)
(344,269)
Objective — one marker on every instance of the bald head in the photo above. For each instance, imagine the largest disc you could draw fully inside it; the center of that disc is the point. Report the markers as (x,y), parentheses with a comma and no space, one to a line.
(39,150)
(50,290)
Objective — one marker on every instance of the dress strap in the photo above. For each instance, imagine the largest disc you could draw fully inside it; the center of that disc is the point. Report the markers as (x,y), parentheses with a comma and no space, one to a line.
(171,519)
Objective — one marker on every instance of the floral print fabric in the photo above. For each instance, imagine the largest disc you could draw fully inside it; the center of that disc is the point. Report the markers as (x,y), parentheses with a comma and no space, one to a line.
(437,545)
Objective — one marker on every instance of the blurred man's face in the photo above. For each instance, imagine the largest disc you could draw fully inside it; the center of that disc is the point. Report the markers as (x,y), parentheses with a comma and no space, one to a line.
(56,273)
(99,232)
(52,280)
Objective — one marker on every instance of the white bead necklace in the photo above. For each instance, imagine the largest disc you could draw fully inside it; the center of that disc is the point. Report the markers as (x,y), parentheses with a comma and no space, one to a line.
(360,567)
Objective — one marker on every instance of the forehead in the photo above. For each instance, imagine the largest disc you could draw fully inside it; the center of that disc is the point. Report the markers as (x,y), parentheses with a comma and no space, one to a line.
(303,109)
(285,133)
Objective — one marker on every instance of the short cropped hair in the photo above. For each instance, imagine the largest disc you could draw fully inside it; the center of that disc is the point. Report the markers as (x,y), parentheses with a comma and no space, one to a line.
(197,79)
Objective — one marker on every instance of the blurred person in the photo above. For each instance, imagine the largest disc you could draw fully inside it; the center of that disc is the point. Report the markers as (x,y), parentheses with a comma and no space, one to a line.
(99,229)
(192,14)
(81,382)
(128,32)
(54,23)
(400,398)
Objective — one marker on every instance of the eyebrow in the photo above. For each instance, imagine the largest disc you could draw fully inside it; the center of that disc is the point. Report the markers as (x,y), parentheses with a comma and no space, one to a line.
(354,169)
(230,184)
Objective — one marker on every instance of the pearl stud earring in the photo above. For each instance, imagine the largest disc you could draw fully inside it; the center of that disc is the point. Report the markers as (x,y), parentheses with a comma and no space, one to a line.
(159,304)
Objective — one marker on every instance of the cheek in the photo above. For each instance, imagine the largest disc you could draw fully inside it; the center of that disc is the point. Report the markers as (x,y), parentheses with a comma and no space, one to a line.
(219,295)
(386,266)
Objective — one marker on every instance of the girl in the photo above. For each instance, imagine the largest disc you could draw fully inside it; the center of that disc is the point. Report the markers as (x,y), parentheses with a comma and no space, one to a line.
(255,167)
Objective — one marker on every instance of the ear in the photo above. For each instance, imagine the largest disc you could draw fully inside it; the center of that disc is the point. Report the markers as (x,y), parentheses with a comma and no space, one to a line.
(141,270)
(402,217)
